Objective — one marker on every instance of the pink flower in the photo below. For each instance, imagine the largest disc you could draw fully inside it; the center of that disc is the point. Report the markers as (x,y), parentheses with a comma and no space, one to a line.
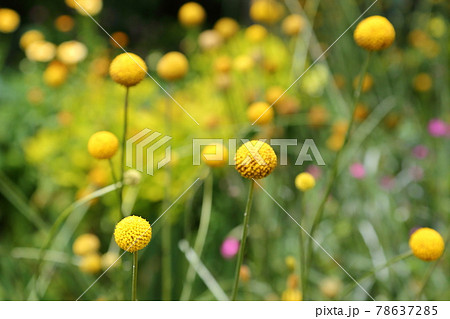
(229,248)
(437,128)
(387,182)
(357,170)
(420,151)
(314,170)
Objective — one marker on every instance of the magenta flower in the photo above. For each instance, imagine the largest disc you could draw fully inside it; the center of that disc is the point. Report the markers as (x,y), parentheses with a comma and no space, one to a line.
(420,151)
(229,248)
(357,170)
(314,170)
(438,128)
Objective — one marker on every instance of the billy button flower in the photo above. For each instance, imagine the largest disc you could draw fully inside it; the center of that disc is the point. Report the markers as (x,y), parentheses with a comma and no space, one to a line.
(86,244)
(215,155)
(172,66)
(256,33)
(103,145)
(374,33)
(254,160)
(191,14)
(226,27)
(132,234)
(127,69)
(292,25)
(305,181)
(260,112)
(426,244)
(9,20)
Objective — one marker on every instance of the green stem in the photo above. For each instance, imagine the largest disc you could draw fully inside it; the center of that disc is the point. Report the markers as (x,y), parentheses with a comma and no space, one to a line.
(118,192)
(320,210)
(124,140)
(302,262)
(135,275)
(201,235)
(243,239)
(390,262)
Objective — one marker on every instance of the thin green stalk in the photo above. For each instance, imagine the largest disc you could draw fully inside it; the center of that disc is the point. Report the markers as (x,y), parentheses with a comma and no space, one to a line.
(302,262)
(334,172)
(166,232)
(201,235)
(243,240)
(118,192)
(124,141)
(135,275)
(371,273)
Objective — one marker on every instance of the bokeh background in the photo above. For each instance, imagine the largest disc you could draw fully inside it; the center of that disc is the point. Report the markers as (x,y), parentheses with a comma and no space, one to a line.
(394,176)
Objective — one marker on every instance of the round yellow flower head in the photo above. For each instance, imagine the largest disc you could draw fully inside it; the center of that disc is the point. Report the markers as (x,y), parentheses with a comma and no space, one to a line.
(255,159)
(85,7)
(422,82)
(9,20)
(29,37)
(103,145)
(290,263)
(91,264)
(64,23)
(426,244)
(40,51)
(256,33)
(119,39)
(266,11)
(374,33)
(55,74)
(210,40)
(71,52)
(243,63)
(127,69)
(367,83)
(305,181)
(292,295)
(172,66)
(223,64)
(191,14)
(274,95)
(261,112)
(292,24)
(86,244)
(227,27)
(244,273)
(133,233)
(215,155)
(330,287)
(317,116)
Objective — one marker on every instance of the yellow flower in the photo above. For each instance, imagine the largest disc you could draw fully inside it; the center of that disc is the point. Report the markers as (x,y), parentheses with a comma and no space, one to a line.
(244,273)
(227,27)
(172,66)
(261,112)
(317,116)
(40,51)
(330,287)
(305,181)
(209,40)
(223,64)
(55,74)
(292,295)
(292,25)
(274,94)
(422,82)
(191,14)
(367,82)
(361,112)
(110,260)
(71,52)
(120,39)
(98,176)
(64,23)
(243,63)
(374,33)
(133,233)
(86,244)
(9,20)
(103,145)
(426,244)
(127,69)
(29,37)
(255,159)
(290,263)
(91,264)
(266,11)
(215,155)
(86,7)
(256,33)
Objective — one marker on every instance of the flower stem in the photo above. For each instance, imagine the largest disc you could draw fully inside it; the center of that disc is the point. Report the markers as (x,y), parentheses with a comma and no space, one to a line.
(302,263)
(390,262)
(201,235)
(118,191)
(124,140)
(334,172)
(135,275)
(243,239)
